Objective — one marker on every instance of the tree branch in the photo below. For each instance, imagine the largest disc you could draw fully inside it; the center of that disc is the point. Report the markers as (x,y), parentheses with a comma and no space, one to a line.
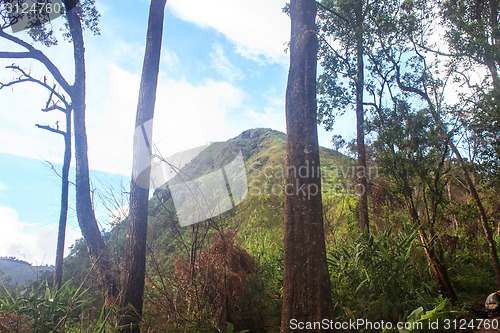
(333,12)
(26,77)
(51,129)
(55,107)
(33,53)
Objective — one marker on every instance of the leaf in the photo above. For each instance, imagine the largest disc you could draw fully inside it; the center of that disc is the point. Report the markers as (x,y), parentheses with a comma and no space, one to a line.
(416,314)
(229,327)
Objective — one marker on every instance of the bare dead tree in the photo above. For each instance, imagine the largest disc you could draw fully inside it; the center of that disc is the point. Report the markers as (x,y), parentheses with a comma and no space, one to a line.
(56,102)
(74,15)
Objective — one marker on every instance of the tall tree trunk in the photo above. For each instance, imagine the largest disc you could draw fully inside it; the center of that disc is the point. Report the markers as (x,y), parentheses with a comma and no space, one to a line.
(360,128)
(106,271)
(64,203)
(306,286)
(133,288)
(492,60)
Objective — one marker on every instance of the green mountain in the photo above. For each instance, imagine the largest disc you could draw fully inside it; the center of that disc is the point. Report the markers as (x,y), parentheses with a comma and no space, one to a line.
(263,152)
(255,225)
(14,271)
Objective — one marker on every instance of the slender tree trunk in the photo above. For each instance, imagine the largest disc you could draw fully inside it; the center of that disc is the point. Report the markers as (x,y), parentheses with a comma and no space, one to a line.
(483,218)
(360,128)
(470,184)
(492,67)
(441,273)
(438,267)
(306,286)
(64,203)
(492,61)
(133,288)
(106,272)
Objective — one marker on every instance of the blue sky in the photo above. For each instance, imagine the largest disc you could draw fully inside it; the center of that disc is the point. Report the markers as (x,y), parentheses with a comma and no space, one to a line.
(223,70)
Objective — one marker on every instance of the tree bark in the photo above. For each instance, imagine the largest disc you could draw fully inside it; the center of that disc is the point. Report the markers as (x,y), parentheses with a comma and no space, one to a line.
(133,288)
(58,271)
(360,128)
(306,286)
(106,271)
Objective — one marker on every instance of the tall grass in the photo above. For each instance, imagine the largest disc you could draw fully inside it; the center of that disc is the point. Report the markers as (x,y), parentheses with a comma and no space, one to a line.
(377,276)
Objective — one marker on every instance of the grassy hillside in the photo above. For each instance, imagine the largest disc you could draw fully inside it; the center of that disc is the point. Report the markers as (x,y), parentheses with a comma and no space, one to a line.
(263,153)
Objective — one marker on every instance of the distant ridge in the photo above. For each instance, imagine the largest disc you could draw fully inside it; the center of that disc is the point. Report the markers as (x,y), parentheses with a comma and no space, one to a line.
(15,271)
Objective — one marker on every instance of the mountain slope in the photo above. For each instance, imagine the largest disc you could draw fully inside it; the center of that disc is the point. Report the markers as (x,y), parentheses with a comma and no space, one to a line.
(14,272)
(258,219)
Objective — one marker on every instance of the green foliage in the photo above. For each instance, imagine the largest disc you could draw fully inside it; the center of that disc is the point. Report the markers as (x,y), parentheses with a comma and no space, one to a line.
(230,329)
(381,276)
(485,134)
(377,275)
(471,272)
(419,315)
(261,244)
(473,29)
(45,309)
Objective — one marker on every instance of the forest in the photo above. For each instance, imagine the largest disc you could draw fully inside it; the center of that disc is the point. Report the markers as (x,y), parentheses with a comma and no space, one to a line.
(394,231)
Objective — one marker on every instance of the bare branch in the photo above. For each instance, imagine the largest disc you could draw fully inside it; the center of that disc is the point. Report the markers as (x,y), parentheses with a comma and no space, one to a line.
(372,104)
(55,107)
(26,77)
(345,60)
(55,170)
(36,54)
(5,85)
(51,129)
(444,54)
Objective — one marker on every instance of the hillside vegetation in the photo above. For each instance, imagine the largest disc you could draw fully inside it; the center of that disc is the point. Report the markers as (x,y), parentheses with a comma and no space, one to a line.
(230,268)
(227,272)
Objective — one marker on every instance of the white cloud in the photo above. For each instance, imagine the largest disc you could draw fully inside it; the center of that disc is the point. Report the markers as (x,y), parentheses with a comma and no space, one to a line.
(133,52)
(170,58)
(37,247)
(257,27)
(273,114)
(223,66)
(186,116)
(19,112)
(189,115)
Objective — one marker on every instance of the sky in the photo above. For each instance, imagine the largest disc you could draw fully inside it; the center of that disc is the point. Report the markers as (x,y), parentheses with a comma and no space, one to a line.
(223,70)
